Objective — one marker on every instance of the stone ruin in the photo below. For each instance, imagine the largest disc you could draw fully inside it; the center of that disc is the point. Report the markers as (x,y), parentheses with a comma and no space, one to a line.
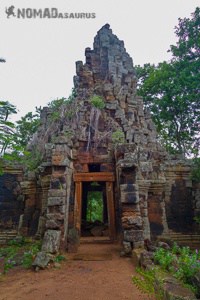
(112,149)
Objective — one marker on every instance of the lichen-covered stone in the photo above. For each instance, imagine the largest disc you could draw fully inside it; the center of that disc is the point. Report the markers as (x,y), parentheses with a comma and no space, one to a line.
(133,235)
(152,191)
(51,241)
(42,259)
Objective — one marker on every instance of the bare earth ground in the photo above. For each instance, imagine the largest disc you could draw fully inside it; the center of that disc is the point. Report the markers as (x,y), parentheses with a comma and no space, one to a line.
(97,272)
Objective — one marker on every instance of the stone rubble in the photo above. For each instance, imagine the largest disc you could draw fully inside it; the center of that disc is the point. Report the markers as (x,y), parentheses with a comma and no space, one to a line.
(152,191)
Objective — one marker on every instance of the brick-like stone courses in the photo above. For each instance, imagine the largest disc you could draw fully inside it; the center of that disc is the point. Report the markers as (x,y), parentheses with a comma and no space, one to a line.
(109,72)
(11,199)
(180,196)
(84,136)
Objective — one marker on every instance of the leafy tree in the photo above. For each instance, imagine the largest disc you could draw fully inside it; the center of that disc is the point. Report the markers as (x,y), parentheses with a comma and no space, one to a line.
(2,60)
(27,126)
(7,128)
(171,89)
(95,207)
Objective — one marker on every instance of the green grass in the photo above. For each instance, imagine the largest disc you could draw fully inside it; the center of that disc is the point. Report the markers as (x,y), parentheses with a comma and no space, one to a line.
(19,252)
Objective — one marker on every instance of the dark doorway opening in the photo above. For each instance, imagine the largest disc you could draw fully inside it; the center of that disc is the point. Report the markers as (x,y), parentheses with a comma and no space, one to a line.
(84,182)
(94,215)
(94,167)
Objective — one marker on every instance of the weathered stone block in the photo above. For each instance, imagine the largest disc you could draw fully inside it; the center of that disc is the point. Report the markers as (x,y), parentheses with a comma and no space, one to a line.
(55,216)
(55,201)
(127,249)
(134,221)
(146,167)
(42,259)
(51,241)
(130,197)
(172,289)
(60,160)
(56,193)
(128,187)
(133,235)
(52,224)
(126,207)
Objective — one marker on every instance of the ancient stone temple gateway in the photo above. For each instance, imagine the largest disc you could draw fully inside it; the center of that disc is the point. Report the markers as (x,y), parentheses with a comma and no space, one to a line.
(104,141)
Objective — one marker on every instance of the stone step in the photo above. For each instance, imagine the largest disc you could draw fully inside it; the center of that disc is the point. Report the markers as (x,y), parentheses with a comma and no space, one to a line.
(6,236)
(182,239)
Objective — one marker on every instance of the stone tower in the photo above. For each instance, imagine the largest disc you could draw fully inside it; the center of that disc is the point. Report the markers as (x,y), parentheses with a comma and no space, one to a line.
(103,141)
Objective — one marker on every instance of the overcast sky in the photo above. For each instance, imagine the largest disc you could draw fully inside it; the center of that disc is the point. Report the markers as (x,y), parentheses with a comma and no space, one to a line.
(41,53)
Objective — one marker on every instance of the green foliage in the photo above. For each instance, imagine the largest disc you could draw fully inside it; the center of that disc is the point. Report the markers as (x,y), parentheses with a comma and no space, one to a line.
(197,219)
(19,252)
(30,251)
(118,137)
(182,262)
(188,33)
(171,90)
(94,206)
(144,281)
(7,128)
(195,176)
(57,104)
(27,126)
(59,258)
(164,258)
(33,159)
(97,102)
(14,138)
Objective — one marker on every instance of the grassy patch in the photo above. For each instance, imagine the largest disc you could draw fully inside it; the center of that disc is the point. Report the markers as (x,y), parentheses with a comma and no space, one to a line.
(145,282)
(20,252)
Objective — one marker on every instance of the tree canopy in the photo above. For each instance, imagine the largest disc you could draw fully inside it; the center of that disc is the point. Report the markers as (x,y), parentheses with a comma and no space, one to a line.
(7,128)
(171,89)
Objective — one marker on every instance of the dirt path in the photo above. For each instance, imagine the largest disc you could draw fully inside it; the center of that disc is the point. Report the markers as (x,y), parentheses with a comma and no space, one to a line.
(101,275)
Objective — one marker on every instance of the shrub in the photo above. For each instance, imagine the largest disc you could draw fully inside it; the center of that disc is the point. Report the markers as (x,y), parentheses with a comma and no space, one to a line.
(97,102)
(19,252)
(196,169)
(118,137)
(182,262)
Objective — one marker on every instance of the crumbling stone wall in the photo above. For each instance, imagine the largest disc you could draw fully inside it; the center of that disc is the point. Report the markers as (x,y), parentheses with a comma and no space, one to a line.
(11,199)
(179,198)
(109,73)
(19,204)
(146,181)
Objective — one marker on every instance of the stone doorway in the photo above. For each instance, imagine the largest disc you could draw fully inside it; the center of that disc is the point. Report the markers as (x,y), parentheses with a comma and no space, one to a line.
(84,182)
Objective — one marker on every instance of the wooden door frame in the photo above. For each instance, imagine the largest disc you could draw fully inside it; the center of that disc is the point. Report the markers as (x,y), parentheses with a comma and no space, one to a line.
(108,178)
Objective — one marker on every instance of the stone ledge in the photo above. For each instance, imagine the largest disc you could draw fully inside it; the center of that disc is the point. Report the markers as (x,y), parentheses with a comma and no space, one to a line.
(57,193)
(172,289)
(52,201)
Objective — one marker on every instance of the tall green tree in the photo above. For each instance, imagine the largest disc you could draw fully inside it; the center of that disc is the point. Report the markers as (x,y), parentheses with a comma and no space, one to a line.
(171,89)
(27,126)
(7,128)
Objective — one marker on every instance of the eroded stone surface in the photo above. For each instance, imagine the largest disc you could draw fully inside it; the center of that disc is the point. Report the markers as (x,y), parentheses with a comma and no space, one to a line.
(51,241)
(151,189)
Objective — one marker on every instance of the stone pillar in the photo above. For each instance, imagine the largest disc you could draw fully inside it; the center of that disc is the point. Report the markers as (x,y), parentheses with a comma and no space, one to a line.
(156,208)
(131,220)
(143,196)
(58,198)
(29,192)
(196,197)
